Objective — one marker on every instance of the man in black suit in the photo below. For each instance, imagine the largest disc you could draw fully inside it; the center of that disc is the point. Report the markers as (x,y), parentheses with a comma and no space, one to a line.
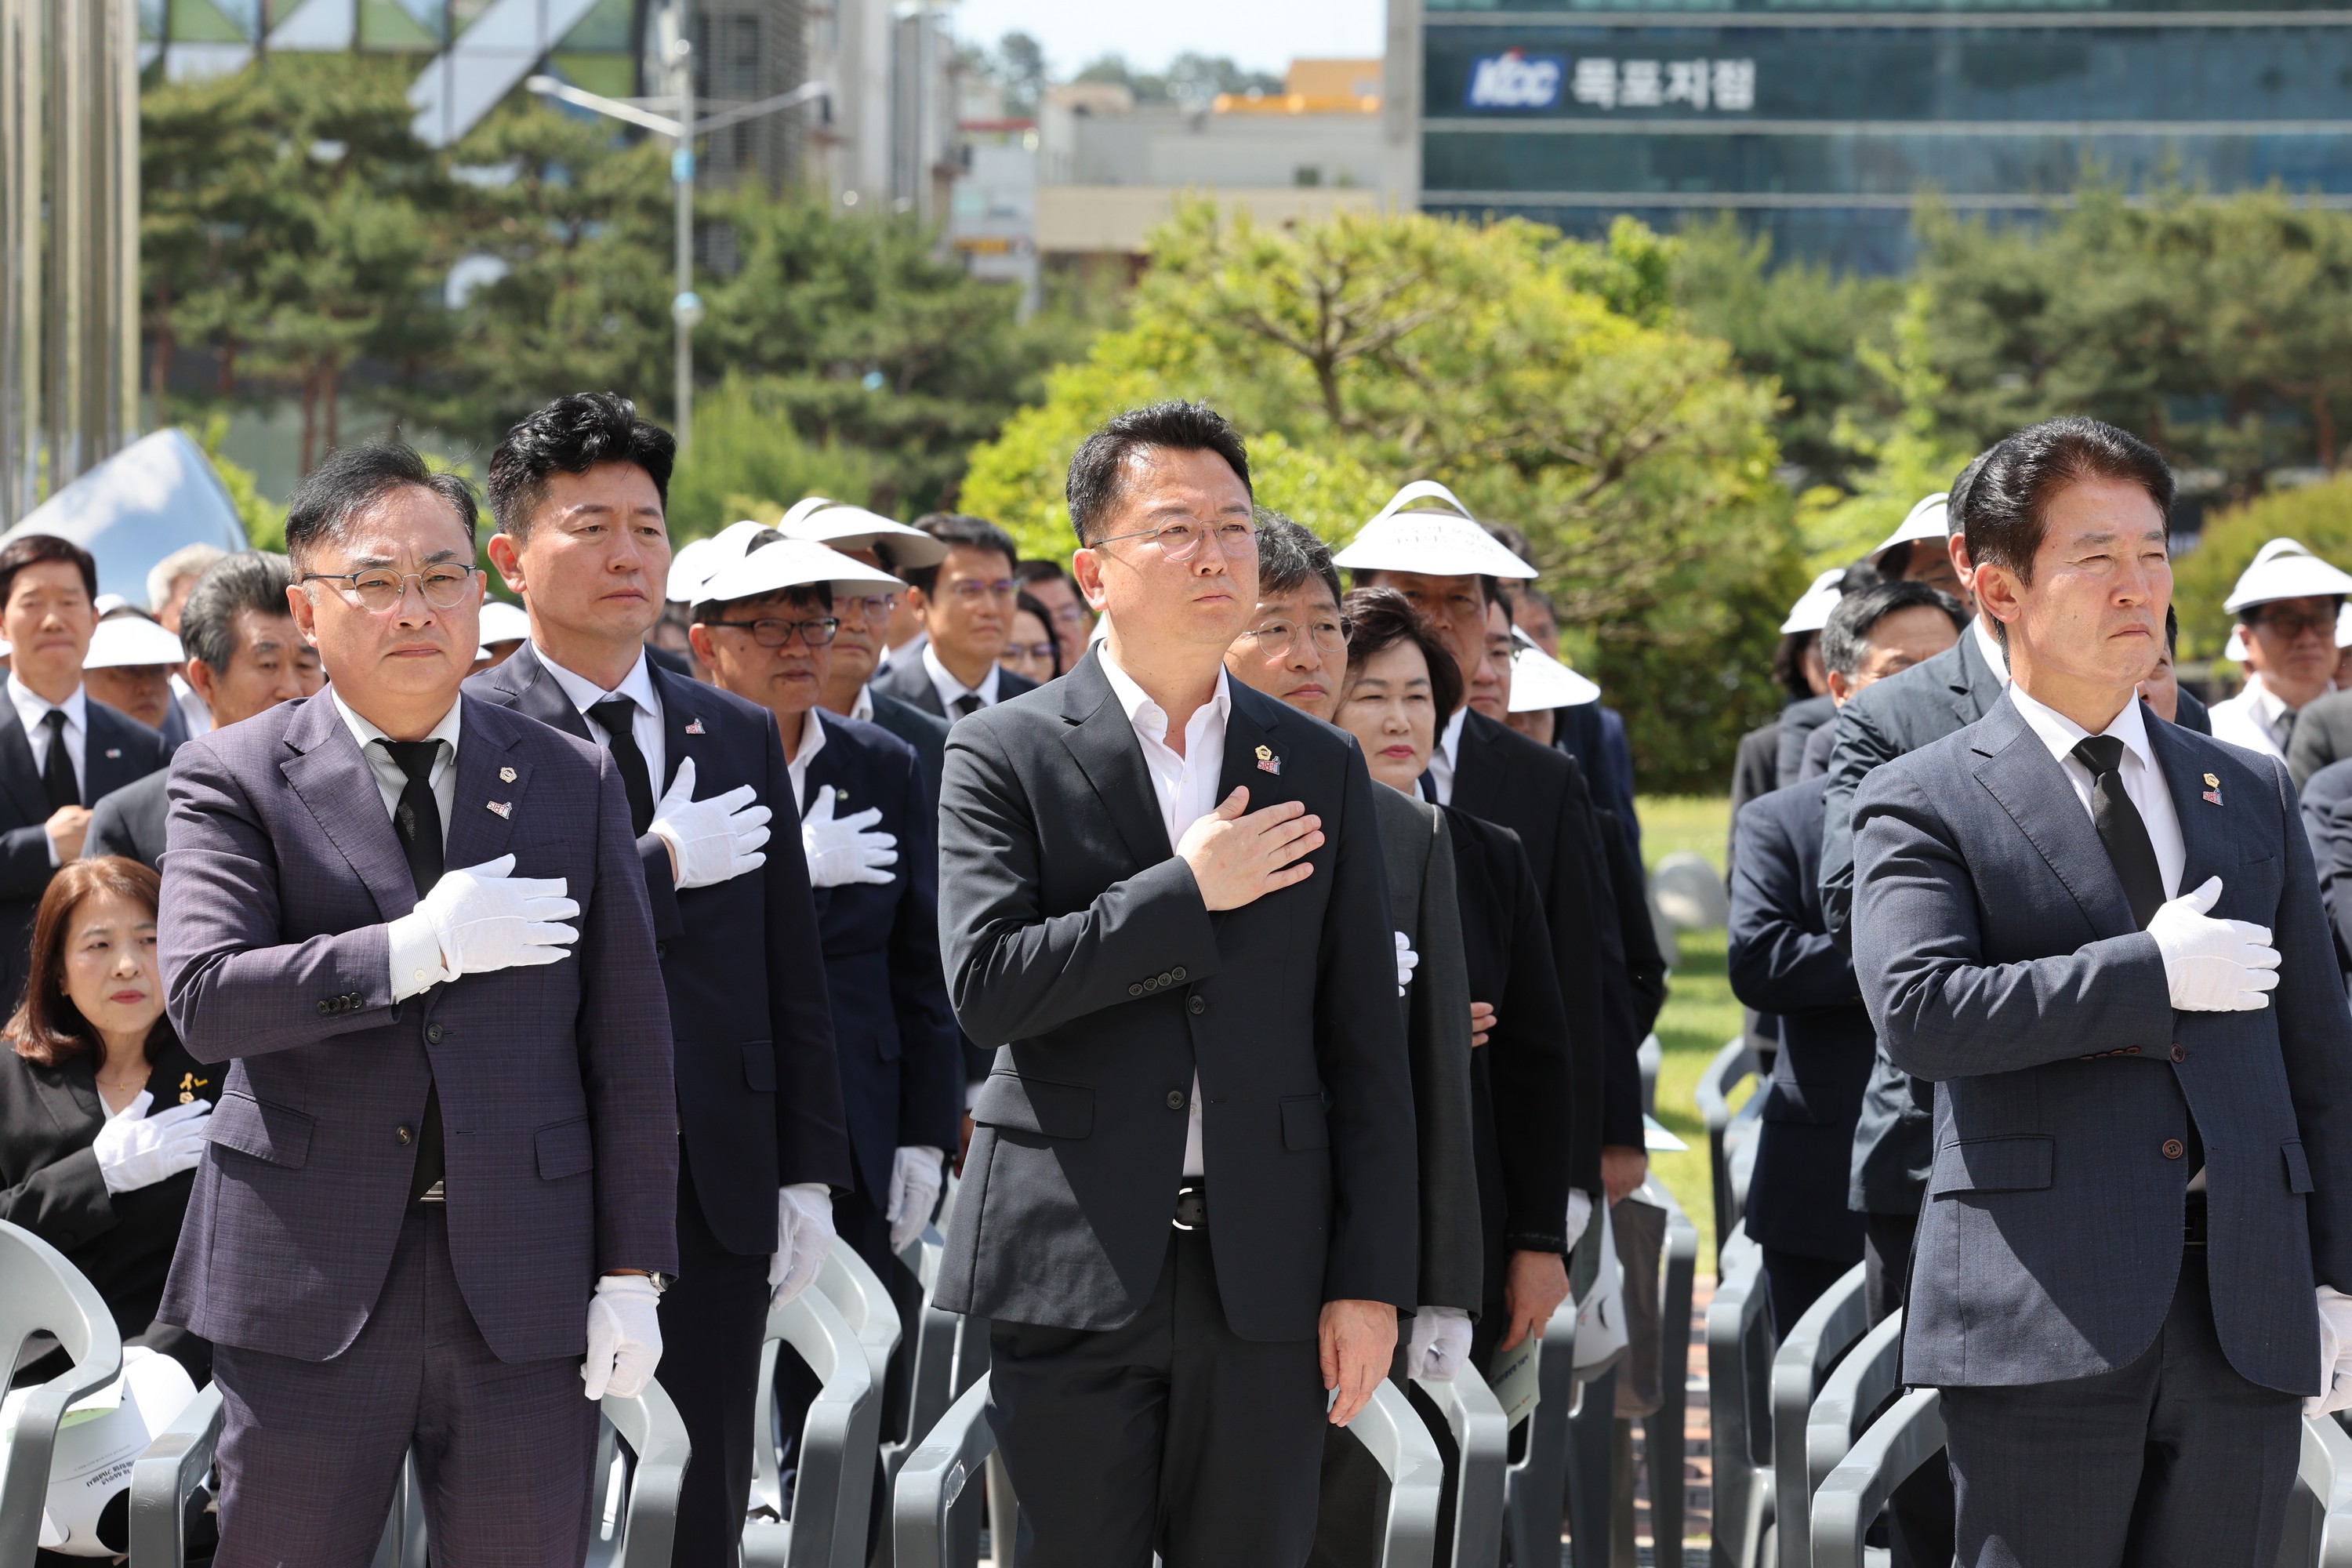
(60,751)
(1189,1208)
(964,603)
(244,657)
(578,490)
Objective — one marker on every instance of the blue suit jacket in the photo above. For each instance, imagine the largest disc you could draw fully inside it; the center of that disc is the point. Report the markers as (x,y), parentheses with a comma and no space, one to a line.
(901,1053)
(2327,822)
(1783,960)
(554,1081)
(758,1092)
(2000,959)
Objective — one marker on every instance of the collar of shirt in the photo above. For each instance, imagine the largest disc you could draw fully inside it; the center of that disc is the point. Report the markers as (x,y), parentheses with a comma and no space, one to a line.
(1186,785)
(637,685)
(32,707)
(1989,648)
(2143,779)
(2268,706)
(863,709)
(1446,755)
(812,742)
(389,780)
(952,690)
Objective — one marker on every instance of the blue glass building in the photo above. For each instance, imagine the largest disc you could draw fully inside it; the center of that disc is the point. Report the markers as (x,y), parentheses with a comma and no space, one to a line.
(1823,122)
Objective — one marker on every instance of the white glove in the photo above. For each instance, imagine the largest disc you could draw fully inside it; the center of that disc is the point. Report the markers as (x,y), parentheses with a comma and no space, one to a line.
(1580,1214)
(1440,1344)
(486,918)
(846,851)
(623,1337)
(2209,965)
(914,1188)
(135,1150)
(2334,1354)
(804,1239)
(1407,961)
(713,840)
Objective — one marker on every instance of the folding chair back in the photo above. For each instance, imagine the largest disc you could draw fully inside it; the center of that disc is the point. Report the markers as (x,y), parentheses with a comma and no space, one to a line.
(1820,1338)
(40,1292)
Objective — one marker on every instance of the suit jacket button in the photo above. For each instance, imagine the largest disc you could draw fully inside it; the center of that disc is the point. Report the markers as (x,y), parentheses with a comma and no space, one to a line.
(1167,977)
(1175,1100)
(2178,1055)
(433,1034)
(2174,1149)
(325,1008)
(1198,1006)
(1135,989)
(1177,972)
(402,1134)
(661,950)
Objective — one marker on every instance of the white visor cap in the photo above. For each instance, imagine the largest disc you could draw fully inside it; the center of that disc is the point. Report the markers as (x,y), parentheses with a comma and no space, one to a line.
(1540,682)
(2284,568)
(131,642)
(699,560)
(1402,537)
(502,622)
(795,564)
(855,528)
(1927,520)
(1811,611)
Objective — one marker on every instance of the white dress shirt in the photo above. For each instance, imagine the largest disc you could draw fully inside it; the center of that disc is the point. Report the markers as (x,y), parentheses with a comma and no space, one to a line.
(637,685)
(1186,788)
(951,690)
(2255,718)
(812,742)
(193,711)
(416,955)
(2143,779)
(1988,646)
(863,709)
(33,711)
(1447,754)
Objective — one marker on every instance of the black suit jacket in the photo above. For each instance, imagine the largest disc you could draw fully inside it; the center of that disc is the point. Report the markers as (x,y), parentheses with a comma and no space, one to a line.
(1782,961)
(119,748)
(901,1053)
(740,962)
(1894,1142)
(926,732)
(1799,720)
(1072,931)
(910,682)
(2192,714)
(1538,791)
(2326,808)
(130,821)
(1519,1080)
(2323,734)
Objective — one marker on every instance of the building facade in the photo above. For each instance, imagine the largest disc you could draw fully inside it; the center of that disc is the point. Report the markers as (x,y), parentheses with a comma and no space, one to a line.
(1824,123)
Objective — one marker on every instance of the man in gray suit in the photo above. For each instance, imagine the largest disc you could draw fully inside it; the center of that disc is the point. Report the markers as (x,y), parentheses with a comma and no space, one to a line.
(443,1168)
(244,657)
(2100,935)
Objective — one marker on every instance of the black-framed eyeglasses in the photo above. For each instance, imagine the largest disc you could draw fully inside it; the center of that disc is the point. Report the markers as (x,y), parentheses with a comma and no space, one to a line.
(443,584)
(2292,623)
(774,632)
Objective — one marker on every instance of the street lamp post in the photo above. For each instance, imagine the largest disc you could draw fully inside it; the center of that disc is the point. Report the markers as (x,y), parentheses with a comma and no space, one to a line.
(683,129)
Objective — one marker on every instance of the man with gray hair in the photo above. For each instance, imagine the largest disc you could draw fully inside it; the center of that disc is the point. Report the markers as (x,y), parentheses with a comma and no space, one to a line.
(169,583)
(244,655)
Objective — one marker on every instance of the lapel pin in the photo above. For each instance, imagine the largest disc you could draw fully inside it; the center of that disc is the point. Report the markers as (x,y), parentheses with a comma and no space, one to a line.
(694,726)
(505,808)
(189,1084)
(1268,763)
(2214,795)
(113,752)
(506,775)
(2212,789)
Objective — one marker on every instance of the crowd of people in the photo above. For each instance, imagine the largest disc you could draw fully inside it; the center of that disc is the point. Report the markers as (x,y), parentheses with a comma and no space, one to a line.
(535,992)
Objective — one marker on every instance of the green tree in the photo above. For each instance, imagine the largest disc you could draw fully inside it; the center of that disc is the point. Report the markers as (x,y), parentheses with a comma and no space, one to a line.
(748,462)
(2319,515)
(1633,454)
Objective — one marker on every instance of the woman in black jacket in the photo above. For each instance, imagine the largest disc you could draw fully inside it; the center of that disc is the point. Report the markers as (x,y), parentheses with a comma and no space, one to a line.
(102,1113)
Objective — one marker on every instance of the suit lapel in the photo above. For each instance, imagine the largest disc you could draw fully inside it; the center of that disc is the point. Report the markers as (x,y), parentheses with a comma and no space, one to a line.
(1104,745)
(1254,750)
(18,772)
(331,778)
(2021,773)
(2204,831)
(1977,685)
(1475,769)
(684,732)
(486,755)
(104,768)
(538,695)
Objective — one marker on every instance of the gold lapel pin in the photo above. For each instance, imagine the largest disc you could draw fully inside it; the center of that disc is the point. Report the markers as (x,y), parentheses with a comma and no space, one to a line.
(1268,763)
(506,775)
(2213,783)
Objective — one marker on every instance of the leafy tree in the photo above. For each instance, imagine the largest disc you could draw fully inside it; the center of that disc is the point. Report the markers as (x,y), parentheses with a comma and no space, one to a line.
(748,462)
(1190,79)
(2319,515)
(1628,447)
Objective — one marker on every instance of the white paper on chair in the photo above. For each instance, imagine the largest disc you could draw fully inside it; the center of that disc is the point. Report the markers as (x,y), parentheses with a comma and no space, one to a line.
(1514,1381)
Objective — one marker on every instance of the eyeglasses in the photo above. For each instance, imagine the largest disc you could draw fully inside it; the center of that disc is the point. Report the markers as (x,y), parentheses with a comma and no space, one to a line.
(382,588)
(1030,652)
(1277,638)
(2293,624)
(774,633)
(1181,541)
(1069,615)
(874,609)
(971,590)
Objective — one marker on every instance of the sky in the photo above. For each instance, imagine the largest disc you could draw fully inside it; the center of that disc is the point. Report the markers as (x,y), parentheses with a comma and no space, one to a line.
(1259,35)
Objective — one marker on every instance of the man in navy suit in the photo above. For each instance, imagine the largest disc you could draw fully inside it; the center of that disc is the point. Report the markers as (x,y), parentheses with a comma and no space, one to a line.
(2100,936)
(965,605)
(442,1167)
(61,752)
(578,490)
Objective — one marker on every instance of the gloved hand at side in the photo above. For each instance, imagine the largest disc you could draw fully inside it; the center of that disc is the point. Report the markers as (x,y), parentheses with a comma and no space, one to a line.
(1440,1344)
(804,1239)
(915,1182)
(624,1342)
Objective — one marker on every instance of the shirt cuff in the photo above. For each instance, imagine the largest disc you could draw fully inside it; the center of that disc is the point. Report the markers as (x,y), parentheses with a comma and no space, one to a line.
(416,956)
(53,861)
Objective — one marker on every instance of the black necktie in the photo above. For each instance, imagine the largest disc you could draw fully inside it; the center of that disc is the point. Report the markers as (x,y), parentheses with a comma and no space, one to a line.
(618,718)
(2285,726)
(2121,828)
(966,705)
(57,768)
(416,820)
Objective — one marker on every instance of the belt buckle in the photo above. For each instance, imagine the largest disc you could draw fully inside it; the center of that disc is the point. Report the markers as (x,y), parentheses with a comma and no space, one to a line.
(1192,1208)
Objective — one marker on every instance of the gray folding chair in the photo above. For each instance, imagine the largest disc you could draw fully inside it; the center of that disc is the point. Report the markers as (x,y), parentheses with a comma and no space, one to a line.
(40,1292)
(1739,1347)
(168,1478)
(932,1372)
(651,1428)
(1819,1341)
(838,1440)
(1666,1430)
(1483,1440)
(1852,1394)
(2319,1512)
(1735,1062)
(1534,1488)
(1911,1434)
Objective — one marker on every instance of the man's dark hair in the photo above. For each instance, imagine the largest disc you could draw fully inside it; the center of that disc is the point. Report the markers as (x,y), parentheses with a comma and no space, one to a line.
(31,549)
(1288,553)
(1379,618)
(2005,504)
(1845,641)
(254,580)
(1029,572)
(954,527)
(572,436)
(1098,470)
(355,477)
(2171,629)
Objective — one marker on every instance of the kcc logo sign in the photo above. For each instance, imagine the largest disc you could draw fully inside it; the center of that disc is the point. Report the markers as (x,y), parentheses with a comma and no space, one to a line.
(1515,79)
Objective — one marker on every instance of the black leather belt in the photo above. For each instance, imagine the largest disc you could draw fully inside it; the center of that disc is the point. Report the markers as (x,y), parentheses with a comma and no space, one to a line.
(1191,1206)
(2192,1227)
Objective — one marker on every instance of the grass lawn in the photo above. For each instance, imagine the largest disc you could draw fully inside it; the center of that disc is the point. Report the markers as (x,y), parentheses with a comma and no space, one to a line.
(1700,1012)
